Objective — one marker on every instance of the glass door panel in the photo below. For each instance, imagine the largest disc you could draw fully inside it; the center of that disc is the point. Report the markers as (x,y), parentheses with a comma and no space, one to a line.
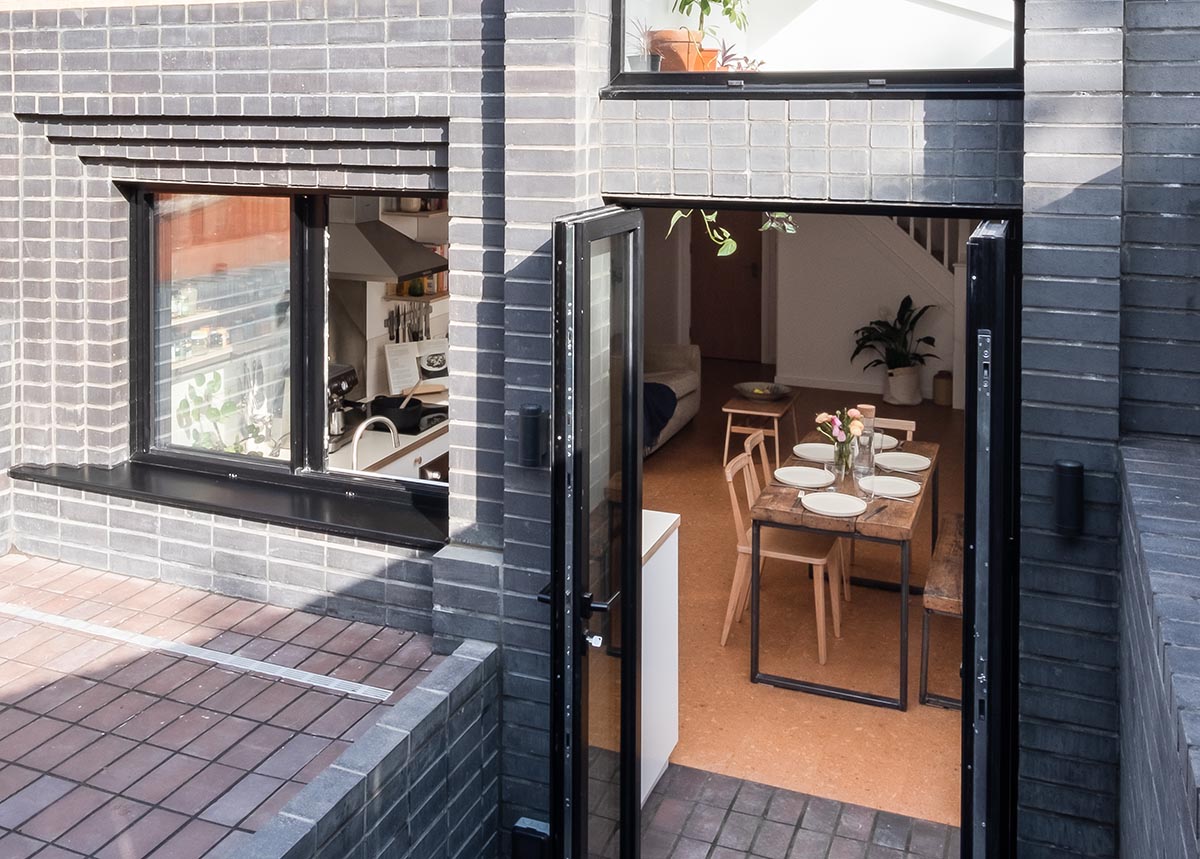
(597,538)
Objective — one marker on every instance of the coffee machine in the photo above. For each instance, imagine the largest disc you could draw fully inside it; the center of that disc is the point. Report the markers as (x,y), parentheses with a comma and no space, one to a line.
(343,379)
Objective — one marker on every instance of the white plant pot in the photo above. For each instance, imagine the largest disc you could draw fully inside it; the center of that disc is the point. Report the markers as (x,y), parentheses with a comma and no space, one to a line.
(903,386)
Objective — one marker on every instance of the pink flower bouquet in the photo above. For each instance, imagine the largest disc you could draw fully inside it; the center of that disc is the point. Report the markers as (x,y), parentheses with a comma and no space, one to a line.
(841,428)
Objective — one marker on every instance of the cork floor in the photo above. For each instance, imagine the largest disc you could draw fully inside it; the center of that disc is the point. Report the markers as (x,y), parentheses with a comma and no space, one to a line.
(143,719)
(905,763)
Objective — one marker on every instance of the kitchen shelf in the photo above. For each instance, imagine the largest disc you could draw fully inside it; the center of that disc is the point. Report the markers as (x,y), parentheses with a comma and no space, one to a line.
(424,213)
(418,299)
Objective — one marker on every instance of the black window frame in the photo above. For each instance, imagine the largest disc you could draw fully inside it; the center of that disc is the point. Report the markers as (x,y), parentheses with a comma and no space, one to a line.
(299,491)
(867,83)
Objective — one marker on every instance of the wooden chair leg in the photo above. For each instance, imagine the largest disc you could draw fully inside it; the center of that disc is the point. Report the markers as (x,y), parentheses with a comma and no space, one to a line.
(728,432)
(741,579)
(835,598)
(819,599)
(923,695)
(744,603)
(845,567)
(777,462)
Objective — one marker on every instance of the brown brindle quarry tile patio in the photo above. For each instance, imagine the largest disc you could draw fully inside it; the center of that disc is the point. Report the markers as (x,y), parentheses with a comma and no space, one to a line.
(144,719)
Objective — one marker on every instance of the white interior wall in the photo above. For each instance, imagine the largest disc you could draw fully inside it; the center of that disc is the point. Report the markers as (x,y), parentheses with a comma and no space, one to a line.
(838,273)
(668,272)
(770,294)
(848,35)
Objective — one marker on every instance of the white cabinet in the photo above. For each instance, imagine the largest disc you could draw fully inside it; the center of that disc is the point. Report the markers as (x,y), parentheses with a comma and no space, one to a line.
(660,644)
(409,463)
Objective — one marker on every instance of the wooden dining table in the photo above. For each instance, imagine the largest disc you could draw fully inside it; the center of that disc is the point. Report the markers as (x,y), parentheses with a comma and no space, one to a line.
(885,520)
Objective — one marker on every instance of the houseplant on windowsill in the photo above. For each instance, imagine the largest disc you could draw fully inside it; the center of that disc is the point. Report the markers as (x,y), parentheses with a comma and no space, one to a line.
(681,49)
(897,346)
(639,57)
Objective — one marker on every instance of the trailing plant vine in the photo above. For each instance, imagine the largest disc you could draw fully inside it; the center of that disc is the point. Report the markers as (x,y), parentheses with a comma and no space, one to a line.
(721,237)
(208,423)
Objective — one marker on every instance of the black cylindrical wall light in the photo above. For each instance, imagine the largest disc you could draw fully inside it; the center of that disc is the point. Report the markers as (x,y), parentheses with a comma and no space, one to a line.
(532,434)
(1068,497)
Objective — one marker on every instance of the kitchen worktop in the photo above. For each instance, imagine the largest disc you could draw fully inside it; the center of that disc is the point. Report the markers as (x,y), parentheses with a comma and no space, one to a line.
(375,449)
(656,528)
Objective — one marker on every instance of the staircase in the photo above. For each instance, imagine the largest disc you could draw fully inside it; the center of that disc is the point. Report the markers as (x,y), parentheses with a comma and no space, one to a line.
(944,239)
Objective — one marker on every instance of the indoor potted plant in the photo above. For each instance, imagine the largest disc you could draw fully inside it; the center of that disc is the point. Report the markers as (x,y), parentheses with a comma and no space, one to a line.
(681,49)
(897,346)
(639,57)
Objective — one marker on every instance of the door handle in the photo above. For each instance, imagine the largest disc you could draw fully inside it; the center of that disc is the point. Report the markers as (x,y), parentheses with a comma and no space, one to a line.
(591,606)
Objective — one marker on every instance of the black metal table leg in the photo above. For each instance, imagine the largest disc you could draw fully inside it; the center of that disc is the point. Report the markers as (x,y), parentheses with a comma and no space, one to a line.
(905,556)
(756,676)
(754,577)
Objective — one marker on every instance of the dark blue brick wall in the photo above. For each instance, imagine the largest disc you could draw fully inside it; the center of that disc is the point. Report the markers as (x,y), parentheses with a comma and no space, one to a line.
(1070,382)
(1160,292)
(1160,648)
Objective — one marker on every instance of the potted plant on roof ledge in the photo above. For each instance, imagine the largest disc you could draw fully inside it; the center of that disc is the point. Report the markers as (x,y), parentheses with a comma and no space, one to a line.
(898,348)
(682,49)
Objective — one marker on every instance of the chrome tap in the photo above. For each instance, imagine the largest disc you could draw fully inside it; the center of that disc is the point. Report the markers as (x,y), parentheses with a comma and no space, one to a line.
(358,433)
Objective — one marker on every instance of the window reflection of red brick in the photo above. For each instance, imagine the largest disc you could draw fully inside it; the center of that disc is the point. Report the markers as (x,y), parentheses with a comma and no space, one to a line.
(200,235)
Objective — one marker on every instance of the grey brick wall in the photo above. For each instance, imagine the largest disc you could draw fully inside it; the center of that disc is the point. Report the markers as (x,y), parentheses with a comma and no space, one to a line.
(10,305)
(388,95)
(1160,662)
(1070,326)
(1160,313)
(849,150)
(320,573)
(421,783)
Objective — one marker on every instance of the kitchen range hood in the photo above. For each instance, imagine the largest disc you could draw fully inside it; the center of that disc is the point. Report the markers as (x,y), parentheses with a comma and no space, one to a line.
(373,251)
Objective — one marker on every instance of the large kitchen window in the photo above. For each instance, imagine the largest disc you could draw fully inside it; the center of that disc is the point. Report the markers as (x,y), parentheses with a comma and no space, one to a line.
(744,43)
(288,362)
(222,273)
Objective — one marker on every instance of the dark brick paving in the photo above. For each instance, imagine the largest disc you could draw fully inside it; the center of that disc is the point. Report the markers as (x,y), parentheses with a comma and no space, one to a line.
(108,750)
(692,814)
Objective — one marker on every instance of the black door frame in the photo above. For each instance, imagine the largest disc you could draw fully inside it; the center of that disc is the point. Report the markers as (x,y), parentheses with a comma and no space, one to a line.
(1004,618)
(568,518)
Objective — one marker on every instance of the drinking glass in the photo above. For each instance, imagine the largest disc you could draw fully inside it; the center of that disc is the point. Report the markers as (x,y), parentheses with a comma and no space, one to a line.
(864,463)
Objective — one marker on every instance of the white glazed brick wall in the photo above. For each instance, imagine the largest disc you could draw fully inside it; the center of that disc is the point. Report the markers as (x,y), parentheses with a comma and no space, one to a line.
(960,151)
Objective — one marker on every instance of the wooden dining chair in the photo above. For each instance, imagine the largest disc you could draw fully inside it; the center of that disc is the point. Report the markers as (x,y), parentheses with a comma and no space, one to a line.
(909,428)
(821,552)
(757,440)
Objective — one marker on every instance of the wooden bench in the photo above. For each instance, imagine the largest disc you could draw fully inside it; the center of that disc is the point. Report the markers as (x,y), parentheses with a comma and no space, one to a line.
(943,595)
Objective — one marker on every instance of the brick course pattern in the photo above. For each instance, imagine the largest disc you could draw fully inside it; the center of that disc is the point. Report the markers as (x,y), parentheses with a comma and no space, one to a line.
(1160,292)
(383,95)
(1160,662)
(423,782)
(965,152)
(1068,650)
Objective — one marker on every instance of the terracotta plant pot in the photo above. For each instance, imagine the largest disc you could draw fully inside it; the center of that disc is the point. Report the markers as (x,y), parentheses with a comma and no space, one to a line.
(707,61)
(903,386)
(679,49)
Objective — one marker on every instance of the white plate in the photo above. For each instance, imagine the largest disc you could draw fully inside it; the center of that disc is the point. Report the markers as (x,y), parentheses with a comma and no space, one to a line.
(814,451)
(804,477)
(833,504)
(902,461)
(897,487)
(883,441)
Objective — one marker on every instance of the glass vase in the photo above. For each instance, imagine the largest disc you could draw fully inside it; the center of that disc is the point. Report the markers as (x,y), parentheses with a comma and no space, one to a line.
(843,458)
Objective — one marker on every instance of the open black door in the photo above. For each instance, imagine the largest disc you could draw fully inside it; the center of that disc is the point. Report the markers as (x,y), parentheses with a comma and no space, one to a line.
(990,540)
(596,579)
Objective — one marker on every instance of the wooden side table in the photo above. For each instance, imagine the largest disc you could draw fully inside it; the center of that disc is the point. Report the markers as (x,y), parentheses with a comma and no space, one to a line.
(767,410)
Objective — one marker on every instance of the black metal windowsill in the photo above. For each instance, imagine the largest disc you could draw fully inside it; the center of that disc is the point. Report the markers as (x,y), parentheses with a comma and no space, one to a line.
(399,518)
(757,85)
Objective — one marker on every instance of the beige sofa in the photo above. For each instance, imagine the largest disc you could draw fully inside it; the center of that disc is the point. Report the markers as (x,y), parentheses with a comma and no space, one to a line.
(677,367)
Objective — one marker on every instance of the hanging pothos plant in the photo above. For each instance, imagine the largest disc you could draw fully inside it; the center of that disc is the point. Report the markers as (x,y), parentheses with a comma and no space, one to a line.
(721,237)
